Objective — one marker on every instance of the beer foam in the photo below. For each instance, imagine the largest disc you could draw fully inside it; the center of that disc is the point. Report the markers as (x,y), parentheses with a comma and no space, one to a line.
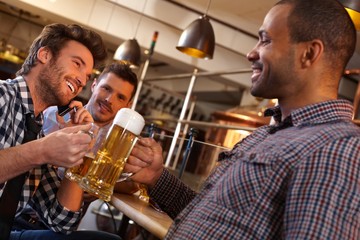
(129,119)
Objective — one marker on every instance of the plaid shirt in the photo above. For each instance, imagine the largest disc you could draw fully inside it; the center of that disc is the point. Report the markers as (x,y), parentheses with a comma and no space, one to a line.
(40,188)
(300,181)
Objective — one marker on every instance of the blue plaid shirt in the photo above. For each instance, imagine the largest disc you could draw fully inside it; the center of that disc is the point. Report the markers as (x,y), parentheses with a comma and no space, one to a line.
(40,188)
(294,180)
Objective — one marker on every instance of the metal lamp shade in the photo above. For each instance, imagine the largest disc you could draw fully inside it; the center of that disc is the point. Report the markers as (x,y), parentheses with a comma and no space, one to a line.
(353,8)
(198,39)
(129,51)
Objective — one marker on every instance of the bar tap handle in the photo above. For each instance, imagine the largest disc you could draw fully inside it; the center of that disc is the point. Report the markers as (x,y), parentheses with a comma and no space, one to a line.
(192,135)
(152,130)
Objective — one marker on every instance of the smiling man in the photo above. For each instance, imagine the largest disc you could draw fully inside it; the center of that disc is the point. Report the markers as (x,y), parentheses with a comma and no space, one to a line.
(112,90)
(296,179)
(59,64)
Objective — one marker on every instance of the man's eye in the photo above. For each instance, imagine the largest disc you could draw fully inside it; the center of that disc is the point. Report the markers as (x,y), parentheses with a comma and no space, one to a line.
(264,41)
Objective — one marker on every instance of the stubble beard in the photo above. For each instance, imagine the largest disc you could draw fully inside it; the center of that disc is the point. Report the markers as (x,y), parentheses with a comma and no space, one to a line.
(49,85)
(97,116)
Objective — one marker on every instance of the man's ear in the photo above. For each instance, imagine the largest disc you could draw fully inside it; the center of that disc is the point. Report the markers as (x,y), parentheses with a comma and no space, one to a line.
(93,85)
(312,53)
(129,104)
(43,55)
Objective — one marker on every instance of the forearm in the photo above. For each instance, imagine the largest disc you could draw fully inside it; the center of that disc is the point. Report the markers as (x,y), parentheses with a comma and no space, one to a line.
(171,194)
(64,148)
(70,195)
(45,201)
(17,160)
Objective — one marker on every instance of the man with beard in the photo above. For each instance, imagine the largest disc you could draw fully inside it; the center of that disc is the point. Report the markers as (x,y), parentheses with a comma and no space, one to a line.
(59,64)
(112,90)
(298,178)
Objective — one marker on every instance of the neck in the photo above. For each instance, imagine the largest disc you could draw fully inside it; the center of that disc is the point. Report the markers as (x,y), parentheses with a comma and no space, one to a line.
(287,106)
(101,124)
(39,105)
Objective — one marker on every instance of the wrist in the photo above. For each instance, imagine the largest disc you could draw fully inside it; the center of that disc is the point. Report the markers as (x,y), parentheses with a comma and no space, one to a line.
(156,178)
(33,153)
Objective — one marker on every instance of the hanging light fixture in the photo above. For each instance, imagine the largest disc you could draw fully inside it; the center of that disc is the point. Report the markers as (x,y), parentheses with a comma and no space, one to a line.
(353,8)
(129,51)
(198,39)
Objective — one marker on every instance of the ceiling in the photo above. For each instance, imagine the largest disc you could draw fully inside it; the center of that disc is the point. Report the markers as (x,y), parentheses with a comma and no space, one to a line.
(253,13)
(235,22)
(218,90)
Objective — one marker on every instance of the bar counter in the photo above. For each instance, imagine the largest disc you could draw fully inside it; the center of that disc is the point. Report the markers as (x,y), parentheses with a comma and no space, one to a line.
(142,213)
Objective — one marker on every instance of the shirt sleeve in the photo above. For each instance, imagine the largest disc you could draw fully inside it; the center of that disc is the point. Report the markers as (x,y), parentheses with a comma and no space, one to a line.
(52,213)
(323,200)
(50,123)
(171,194)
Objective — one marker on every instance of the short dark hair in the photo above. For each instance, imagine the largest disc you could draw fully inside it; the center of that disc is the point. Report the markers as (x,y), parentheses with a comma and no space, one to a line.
(123,71)
(326,20)
(55,36)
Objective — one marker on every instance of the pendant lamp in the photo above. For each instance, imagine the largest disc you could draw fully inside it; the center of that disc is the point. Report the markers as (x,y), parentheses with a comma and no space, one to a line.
(129,51)
(198,39)
(353,8)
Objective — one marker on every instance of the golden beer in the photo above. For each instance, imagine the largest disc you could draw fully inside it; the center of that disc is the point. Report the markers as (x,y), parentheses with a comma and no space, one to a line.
(78,172)
(110,160)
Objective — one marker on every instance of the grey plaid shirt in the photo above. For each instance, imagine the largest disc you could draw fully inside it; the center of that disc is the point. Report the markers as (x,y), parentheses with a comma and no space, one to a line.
(39,191)
(298,179)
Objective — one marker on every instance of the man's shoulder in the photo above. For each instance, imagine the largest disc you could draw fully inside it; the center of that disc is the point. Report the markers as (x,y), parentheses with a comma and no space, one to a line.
(11,87)
(9,90)
(342,128)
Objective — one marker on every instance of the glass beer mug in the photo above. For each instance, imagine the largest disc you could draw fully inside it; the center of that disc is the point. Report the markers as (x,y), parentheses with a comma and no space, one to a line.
(110,159)
(76,173)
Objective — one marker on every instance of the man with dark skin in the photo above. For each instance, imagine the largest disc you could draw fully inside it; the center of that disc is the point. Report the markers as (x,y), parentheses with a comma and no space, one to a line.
(296,179)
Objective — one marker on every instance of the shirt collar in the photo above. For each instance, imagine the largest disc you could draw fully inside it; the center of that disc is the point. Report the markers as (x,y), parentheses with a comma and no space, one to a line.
(328,111)
(26,99)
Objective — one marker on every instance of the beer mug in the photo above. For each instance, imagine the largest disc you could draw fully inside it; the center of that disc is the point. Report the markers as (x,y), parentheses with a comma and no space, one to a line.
(76,173)
(110,160)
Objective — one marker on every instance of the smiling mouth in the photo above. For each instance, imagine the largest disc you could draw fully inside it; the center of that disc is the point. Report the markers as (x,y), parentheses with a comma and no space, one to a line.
(256,72)
(104,106)
(72,88)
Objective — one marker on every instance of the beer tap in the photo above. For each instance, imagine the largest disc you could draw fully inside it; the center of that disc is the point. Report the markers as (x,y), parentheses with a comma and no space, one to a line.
(192,135)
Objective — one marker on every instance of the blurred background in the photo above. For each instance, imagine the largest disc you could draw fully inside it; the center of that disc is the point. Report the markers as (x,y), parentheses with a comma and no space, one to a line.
(179,93)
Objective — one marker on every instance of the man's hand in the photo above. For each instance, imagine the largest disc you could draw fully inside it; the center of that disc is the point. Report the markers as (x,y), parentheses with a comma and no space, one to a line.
(146,162)
(79,115)
(64,148)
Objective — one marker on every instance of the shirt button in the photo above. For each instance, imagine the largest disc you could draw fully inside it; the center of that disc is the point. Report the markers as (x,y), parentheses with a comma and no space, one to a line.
(252,156)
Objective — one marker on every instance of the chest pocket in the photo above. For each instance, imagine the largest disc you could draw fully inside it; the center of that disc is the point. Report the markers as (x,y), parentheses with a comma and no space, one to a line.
(242,180)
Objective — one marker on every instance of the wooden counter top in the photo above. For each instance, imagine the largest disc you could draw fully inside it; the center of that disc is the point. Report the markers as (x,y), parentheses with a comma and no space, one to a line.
(142,213)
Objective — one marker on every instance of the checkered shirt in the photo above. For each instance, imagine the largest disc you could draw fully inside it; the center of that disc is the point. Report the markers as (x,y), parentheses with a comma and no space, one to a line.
(39,191)
(300,181)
